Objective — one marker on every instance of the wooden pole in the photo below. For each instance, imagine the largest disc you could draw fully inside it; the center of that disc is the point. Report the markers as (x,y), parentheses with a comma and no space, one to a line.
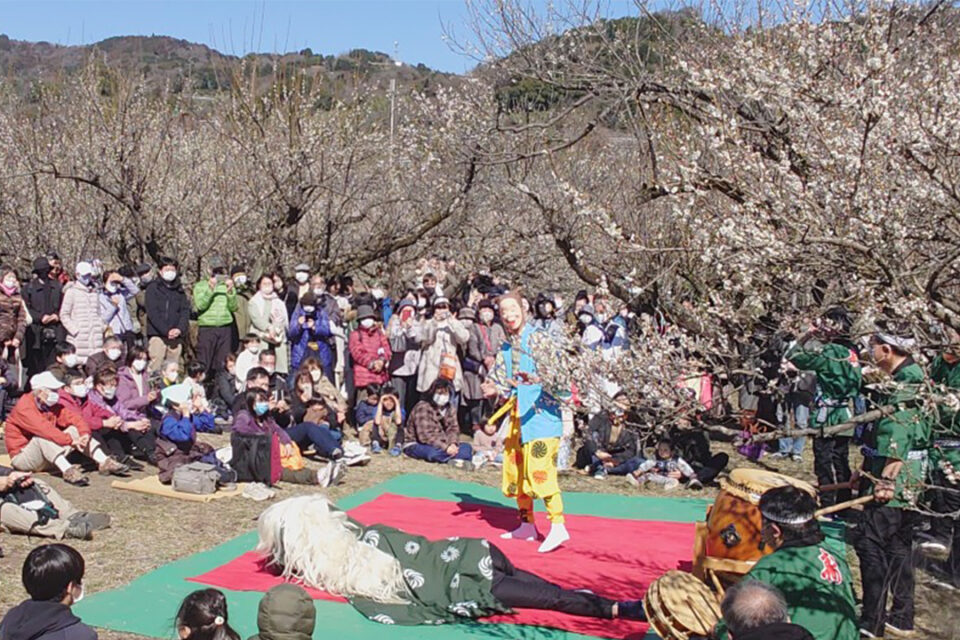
(843,505)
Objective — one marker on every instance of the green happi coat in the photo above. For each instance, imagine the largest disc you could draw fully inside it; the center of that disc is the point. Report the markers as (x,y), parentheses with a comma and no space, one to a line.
(838,376)
(903,435)
(817,586)
(945,452)
(449,580)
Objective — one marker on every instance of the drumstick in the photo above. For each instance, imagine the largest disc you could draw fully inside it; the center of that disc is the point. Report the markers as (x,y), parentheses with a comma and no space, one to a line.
(839,486)
(843,505)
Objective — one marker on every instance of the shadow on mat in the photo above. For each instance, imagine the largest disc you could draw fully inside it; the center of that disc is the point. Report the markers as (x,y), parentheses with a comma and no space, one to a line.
(529,632)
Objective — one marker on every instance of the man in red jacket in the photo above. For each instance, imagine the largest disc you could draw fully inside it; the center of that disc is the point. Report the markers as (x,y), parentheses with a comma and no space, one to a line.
(370,351)
(41,432)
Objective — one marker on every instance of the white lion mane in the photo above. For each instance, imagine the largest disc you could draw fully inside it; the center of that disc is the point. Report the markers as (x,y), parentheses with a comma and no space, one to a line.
(319,547)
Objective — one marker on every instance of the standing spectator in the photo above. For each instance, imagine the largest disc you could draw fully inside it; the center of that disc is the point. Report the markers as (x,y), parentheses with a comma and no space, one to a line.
(241,325)
(474,373)
(310,334)
(13,315)
(403,330)
(803,391)
(298,288)
(215,301)
(43,296)
(114,306)
(592,335)
(370,352)
(168,315)
(269,320)
(545,315)
(491,337)
(80,312)
(56,268)
(441,336)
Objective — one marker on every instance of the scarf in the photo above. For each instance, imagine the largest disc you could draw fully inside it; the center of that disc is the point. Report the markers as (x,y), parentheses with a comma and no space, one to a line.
(10,291)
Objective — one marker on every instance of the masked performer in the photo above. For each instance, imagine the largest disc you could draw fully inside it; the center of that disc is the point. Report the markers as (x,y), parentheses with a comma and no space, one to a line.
(393,577)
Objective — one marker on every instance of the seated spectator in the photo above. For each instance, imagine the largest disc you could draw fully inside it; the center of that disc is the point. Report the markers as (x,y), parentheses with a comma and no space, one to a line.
(53,577)
(310,335)
(693,446)
(488,444)
(386,425)
(432,432)
(203,616)
(109,356)
(195,378)
(366,410)
(278,381)
(65,357)
(169,374)
(177,443)
(324,389)
(226,383)
(667,469)
(31,507)
(754,610)
(126,434)
(256,378)
(255,420)
(41,432)
(286,612)
(247,359)
(610,446)
(135,397)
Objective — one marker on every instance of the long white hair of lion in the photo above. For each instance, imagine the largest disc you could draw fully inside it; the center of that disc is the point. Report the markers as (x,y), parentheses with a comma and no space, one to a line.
(318,546)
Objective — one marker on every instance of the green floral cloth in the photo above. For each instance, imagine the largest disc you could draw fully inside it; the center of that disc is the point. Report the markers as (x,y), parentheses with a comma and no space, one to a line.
(449,580)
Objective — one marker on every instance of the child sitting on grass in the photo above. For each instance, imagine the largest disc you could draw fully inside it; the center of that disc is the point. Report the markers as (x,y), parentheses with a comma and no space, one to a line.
(666,470)
(488,444)
(384,426)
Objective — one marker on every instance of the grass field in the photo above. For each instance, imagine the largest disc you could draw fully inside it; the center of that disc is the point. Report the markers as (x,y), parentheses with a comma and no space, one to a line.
(149,532)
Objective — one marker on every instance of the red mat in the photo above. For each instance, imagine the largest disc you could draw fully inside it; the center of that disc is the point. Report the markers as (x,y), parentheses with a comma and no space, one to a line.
(613,558)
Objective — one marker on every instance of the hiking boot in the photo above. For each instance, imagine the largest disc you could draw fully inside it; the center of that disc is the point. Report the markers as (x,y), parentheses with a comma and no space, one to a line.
(694,485)
(97,521)
(78,530)
(600,474)
(132,463)
(113,467)
(75,476)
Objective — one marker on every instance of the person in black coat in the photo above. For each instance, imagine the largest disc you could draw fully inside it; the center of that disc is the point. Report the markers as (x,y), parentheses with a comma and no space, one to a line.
(610,446)
(168,315)
(43,295)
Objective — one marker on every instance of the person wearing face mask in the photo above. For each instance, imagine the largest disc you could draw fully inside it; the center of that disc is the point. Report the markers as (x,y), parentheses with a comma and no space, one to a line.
(310,334)
(299,287)
(124,433)
(370,352)
(241,325)
(80,312)
(135,395)
(43,296)
(110,356)
(403,331)
(247,359)
(545,315)
(13,316)
(472,402)
(115,297)
(168,315)
(226,383)
(592,335)
(610,445)
(41,432)
(432,432)
(894,471)
(65,357)
(177,442)
(269,320)
(215,301)
(53,577)
(323,388)
(441,337)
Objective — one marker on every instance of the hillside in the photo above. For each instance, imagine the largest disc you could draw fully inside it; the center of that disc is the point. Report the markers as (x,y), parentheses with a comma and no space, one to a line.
(197,68)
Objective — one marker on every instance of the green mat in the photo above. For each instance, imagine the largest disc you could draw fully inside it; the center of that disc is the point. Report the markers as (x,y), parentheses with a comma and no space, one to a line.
(147,605)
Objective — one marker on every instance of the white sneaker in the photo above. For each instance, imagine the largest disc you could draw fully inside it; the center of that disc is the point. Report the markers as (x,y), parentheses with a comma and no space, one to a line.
(325,475)
(671,484)
(557,536)
(355,461)
(353,449)
(526,531)
(934,546)
(339,470)
(258,492)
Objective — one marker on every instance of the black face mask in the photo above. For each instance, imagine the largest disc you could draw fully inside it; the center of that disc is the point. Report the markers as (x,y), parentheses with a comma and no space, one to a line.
(43,274)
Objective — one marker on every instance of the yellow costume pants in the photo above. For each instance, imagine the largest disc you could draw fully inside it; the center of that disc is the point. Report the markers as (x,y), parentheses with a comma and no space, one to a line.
(530,471)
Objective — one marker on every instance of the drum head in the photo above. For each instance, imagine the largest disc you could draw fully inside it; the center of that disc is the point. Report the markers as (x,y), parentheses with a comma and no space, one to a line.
(679,605)
(750,484)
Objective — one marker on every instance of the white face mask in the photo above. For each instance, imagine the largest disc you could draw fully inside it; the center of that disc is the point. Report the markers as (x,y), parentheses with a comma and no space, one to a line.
(240,280)
(51,398)
(315,375)
(486,316)
(302,277)
(366,323)
(441,399)
(309,310)
(585,319)
(377,293)
(318,292)
(254,348)
(10,283)
(78,390)
(113,354)
(270,370)
(113,287)
(169,275)
(109,392)
(71,360)
(139,365)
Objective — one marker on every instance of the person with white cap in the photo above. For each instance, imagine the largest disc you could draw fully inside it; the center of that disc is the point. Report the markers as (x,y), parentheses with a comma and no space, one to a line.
(894,466)
(177,442)
(80,312)
(41,432)
(439,341)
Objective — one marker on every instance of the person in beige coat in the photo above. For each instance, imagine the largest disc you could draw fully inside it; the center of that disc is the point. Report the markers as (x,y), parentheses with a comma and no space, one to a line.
(268,320)
(80,312)
(441,336)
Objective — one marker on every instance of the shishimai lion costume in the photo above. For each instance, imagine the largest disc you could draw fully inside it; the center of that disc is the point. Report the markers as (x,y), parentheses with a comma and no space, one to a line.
(394,577)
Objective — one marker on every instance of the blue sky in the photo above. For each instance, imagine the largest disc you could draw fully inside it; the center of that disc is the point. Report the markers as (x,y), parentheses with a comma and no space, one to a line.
(240,26)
